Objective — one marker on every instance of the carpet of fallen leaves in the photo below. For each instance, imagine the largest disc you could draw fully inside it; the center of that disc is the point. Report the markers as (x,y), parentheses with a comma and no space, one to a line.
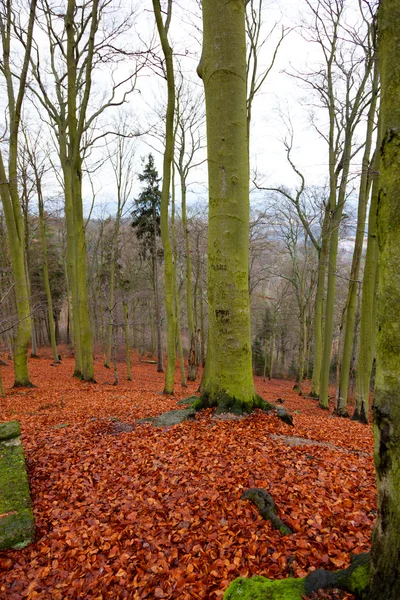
(156,513)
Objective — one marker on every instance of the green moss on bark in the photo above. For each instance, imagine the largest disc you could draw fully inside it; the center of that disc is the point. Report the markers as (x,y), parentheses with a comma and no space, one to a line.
(224,403)
(354,579)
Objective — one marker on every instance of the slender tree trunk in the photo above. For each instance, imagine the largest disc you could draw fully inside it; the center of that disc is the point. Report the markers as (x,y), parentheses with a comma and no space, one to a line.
(365,186)
(176,291)
(115,357)
(331,289)
(15,228)
(127,344)
(319,307)
(9,188)
(34,342)
(266,356)
(110,333)
(229,381)
(160,366)
(49,299)
(301,356)
(168,158)
(272,353)
(2,392)
(114,254)
(385,564)
(71,269)
(368,304)
(81,311)
(192,359)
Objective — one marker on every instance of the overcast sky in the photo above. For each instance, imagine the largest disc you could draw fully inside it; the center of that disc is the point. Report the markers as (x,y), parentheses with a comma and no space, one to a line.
(280,95)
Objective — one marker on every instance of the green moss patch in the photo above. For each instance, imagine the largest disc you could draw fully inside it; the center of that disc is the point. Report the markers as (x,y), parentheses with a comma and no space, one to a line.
(261,588)
(16,518)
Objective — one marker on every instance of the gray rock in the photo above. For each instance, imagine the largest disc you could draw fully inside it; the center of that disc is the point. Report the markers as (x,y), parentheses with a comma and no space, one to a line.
(173,417)
(188,401)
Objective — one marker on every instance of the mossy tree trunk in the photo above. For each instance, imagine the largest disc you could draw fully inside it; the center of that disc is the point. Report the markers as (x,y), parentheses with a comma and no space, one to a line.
(162,29)
(228,379)
(9,187)
(368,304)
(385,564)
(75,121)
(351,304)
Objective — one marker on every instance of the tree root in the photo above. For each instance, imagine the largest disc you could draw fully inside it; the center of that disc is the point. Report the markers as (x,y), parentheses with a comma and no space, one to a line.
(355,579)
(266,507)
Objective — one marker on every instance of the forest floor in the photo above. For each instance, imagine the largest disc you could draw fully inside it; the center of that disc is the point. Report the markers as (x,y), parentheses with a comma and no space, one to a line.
(156,513)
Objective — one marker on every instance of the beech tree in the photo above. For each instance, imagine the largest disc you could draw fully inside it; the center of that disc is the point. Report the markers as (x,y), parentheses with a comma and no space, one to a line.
(364,191)
(385,566)
(228,380)
(368,304)
(162,28)
(12,29)
(376,577)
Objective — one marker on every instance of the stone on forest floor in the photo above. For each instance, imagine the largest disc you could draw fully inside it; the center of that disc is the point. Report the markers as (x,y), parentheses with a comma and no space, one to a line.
(227,416)
(119,427)
(17,528)
(188,401)
(173,417)
(284,416)
(145,420)
(298,441)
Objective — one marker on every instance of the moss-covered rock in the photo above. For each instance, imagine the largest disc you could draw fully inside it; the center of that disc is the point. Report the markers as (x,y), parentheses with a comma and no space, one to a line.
(9,430)
(16,517)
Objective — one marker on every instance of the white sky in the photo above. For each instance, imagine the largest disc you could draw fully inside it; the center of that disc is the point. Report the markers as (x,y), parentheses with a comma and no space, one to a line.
(279,93)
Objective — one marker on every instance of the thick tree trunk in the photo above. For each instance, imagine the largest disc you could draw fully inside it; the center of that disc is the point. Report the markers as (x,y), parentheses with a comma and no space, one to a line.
(229,381)
(385,564)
